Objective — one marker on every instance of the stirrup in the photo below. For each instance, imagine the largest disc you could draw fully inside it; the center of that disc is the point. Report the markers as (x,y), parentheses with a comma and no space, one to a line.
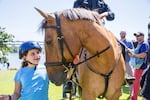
(67,87)
(130,80)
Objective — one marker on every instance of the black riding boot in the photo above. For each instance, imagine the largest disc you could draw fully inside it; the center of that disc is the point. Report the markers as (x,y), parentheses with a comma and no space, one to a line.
(67,88)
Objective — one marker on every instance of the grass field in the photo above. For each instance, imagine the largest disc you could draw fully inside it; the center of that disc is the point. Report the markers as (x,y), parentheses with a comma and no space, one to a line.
(55,93)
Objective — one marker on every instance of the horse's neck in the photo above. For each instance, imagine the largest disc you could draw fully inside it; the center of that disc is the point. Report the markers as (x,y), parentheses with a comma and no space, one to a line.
(99,39)
(95,39)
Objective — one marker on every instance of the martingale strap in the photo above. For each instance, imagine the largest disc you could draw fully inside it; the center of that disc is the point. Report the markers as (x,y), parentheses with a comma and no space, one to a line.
(97,54)
(106,76)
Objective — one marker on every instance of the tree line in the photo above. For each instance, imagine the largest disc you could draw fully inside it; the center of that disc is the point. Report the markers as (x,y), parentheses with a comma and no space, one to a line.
(4,48)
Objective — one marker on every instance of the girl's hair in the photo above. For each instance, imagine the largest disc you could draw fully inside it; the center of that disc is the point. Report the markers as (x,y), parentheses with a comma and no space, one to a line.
(24,62)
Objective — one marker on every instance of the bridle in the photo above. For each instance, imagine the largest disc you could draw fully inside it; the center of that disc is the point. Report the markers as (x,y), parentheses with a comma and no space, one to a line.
(62,41)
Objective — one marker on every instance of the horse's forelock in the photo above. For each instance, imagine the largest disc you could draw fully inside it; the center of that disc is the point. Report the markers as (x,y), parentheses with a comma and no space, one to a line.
(79,13)
(42,25)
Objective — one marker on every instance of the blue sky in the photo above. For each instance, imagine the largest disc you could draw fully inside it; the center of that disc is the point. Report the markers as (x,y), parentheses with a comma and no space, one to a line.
(21,19)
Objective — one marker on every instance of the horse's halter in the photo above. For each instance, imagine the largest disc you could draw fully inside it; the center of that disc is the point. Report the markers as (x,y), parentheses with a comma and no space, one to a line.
(61,40)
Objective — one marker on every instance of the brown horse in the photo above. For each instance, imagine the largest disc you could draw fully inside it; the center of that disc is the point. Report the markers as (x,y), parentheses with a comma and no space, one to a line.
(101,69)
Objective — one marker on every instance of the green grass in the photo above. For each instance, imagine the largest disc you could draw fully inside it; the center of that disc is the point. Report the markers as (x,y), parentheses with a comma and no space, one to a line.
(55,92)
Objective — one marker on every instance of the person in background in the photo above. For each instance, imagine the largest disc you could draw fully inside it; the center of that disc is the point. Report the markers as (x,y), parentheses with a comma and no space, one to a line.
(8,65)
(145,84)
(145,81)
(129,45)
(140,54)
(31,80)
(5,65)
(96,5)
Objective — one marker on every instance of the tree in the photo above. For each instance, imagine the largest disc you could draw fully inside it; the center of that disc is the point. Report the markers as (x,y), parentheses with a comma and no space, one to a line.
(4,48)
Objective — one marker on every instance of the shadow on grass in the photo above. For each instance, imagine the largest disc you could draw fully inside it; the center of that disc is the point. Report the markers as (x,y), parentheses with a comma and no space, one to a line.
(125,89)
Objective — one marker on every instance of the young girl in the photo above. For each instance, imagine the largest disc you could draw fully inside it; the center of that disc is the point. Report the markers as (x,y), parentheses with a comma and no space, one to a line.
(31,80)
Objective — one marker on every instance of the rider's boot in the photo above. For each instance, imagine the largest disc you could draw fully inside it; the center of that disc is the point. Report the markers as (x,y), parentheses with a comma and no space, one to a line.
(67,87)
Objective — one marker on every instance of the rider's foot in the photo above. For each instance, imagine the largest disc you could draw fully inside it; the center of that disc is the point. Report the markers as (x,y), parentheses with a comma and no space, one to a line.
(67,87)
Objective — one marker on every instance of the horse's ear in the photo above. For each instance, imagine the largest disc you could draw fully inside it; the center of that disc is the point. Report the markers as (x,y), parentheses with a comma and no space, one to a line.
(45,15)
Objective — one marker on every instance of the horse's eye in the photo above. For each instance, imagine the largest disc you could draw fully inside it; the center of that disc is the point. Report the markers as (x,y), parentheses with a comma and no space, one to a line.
(48,42)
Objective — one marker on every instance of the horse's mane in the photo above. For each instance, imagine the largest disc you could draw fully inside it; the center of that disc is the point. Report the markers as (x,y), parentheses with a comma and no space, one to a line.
(76,14)
(80,13)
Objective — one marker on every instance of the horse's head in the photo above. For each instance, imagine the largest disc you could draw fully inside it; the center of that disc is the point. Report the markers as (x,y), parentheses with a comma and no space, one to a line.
(61,46)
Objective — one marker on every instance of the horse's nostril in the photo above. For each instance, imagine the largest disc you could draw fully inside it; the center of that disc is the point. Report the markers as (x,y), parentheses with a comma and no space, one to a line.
(48,42)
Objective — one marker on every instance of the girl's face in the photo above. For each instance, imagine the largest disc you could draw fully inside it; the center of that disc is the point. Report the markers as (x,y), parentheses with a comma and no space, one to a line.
(33,56)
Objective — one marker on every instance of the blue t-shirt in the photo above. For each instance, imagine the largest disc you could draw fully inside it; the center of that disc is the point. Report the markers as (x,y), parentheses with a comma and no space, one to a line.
(143,48)
(34,83)
(129,45)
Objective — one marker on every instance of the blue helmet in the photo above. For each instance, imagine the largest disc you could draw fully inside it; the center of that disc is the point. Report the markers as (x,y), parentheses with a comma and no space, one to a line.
(24,47)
